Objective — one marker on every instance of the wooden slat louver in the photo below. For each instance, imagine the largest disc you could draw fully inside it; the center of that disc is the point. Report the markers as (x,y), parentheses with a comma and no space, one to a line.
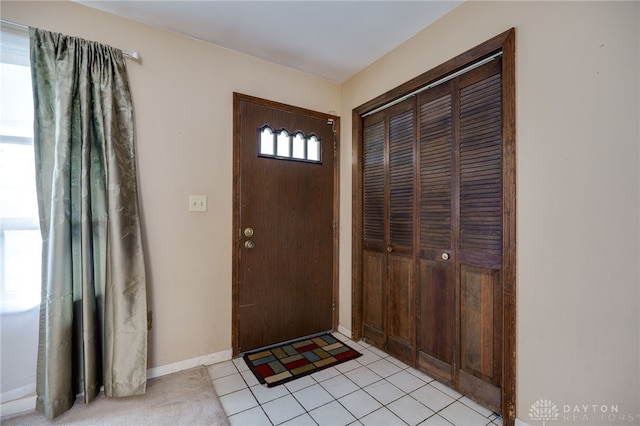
(374,181)
(481,167)
(401,135)
(435,173)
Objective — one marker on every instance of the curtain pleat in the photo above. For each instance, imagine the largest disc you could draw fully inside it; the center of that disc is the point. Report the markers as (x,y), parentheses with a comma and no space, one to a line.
(93,311)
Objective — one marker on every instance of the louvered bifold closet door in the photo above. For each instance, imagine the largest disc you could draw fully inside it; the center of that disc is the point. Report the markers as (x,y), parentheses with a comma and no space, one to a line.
(480,237)
(438,189)
(374,267)
(389,213)
(460,253)
(401,287)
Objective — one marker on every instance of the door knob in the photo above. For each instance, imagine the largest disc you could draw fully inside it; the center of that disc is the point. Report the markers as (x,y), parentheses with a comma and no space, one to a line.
(389,249)
(445,256)
(248,232)
(249,244)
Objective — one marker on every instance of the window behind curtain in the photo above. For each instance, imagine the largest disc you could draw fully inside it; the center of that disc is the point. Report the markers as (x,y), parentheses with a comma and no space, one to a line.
(20,240)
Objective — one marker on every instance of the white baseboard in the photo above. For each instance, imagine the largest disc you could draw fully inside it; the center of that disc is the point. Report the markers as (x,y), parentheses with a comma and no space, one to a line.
(27,404)
(344,330)
(189,363)
(19,392)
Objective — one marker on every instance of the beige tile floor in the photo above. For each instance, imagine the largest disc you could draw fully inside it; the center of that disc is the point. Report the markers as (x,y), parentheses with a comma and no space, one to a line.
(374,389)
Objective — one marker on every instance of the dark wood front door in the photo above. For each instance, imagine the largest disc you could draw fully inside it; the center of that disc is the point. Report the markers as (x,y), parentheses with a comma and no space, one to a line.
(284,223)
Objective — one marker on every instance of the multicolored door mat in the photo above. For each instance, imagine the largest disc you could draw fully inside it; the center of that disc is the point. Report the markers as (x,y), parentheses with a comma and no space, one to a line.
(281,364)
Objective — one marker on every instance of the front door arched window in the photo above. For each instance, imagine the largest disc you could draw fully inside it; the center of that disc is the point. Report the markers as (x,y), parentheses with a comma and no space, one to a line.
(284,145)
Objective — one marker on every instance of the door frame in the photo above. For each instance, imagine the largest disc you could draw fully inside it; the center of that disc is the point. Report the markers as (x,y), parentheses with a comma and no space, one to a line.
(236,228)
(504,43)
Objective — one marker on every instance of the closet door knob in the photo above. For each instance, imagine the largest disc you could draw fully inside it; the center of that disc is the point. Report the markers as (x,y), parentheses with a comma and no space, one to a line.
(389,249)
(445,256)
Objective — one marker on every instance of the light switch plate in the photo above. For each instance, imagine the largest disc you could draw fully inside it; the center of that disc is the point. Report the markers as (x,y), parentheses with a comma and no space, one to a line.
(197,203)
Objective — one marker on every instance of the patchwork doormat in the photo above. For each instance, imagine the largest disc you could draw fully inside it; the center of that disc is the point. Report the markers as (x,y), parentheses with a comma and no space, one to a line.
(281,364)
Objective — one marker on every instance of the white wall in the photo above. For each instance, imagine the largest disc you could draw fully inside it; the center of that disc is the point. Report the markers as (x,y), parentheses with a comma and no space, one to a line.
(578,186)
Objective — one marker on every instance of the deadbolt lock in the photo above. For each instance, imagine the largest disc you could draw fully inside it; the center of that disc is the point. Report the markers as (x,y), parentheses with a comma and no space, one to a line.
(248,232)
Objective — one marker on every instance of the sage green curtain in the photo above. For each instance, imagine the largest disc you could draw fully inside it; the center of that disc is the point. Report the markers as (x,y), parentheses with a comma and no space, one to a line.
(93,328)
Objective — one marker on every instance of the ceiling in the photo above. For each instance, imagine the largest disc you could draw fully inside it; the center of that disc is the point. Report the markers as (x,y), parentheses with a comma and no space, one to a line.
(329,39)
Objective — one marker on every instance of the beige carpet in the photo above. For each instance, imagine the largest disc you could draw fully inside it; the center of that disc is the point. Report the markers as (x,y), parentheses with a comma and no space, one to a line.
(183,398)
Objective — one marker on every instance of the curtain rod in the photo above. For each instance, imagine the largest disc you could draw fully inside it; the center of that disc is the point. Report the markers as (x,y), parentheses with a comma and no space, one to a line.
(131,55)
(435,83)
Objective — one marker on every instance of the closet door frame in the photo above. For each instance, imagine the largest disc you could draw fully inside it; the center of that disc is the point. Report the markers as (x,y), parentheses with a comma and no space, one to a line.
(504,43)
